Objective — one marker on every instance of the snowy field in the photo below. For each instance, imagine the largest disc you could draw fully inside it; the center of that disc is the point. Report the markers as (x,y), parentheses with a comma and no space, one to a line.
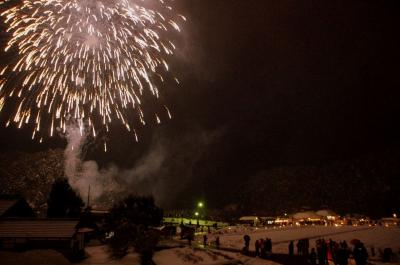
(378,237)
(232,237)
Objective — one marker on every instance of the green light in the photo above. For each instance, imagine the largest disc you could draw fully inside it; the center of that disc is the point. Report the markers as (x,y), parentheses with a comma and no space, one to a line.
(200,205)
(196,213)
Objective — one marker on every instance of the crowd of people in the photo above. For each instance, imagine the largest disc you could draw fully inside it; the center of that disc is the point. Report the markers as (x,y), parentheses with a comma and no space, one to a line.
(329,250)
(325,252)
(263,248)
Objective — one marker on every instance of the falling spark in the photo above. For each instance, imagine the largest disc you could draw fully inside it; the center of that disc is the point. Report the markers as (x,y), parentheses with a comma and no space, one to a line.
(168,112)
(86,59)
(1,103)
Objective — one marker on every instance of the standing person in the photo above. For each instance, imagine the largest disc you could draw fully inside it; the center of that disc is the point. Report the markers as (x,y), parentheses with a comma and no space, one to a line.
(265,247)
(217,242)
(291,248)
(333,247)
(321,249)
(246,239)
(262,248)
(306,246)
(387,254)
(329,250)
(190,237)
(373,251)
(342,256)
(360,254)
(313,257)
(268,247)
(344,244)
(257,246)
(205,240)
(299,246)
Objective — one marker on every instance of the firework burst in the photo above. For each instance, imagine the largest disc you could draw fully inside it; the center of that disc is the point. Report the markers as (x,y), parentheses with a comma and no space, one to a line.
(92,60)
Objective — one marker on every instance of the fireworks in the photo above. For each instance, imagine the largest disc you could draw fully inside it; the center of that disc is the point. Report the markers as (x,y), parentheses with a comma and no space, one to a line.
(92,60)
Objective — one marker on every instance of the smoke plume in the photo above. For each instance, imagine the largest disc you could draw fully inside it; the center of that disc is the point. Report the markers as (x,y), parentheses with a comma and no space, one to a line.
(163,171)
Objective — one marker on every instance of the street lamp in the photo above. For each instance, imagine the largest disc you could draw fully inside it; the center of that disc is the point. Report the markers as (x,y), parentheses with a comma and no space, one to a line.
(199,209)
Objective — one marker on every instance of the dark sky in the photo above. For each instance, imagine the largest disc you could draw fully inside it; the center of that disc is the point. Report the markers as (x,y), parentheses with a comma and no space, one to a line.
(294,81)
(297,81)
(279,83)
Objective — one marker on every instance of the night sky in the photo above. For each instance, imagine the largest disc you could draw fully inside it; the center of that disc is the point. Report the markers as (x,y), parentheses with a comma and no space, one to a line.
(266,84)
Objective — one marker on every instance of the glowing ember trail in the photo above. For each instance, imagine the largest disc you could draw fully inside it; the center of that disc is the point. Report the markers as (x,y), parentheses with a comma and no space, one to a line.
(92,60)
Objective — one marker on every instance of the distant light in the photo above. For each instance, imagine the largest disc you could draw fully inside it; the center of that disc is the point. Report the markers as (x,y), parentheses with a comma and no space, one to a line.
(196,213)
(200,205)
(394,215)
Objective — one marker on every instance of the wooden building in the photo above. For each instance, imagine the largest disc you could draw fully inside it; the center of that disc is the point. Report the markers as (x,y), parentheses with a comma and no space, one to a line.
(58,234)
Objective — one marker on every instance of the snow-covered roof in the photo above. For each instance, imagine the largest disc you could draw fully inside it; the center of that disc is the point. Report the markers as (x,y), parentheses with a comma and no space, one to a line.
(248,218)
(306,215)
(326,212)
(392,219)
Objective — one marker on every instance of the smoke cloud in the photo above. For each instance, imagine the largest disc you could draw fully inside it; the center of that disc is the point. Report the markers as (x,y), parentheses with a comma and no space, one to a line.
(163,171)
(83,175)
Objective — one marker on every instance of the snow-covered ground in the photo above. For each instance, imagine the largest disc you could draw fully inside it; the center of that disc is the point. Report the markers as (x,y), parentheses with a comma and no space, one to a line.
(232,237)
(186,256)
(177,256)
(377,236)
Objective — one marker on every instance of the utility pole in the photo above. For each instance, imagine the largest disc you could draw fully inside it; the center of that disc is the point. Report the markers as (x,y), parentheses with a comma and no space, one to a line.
(88,198)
